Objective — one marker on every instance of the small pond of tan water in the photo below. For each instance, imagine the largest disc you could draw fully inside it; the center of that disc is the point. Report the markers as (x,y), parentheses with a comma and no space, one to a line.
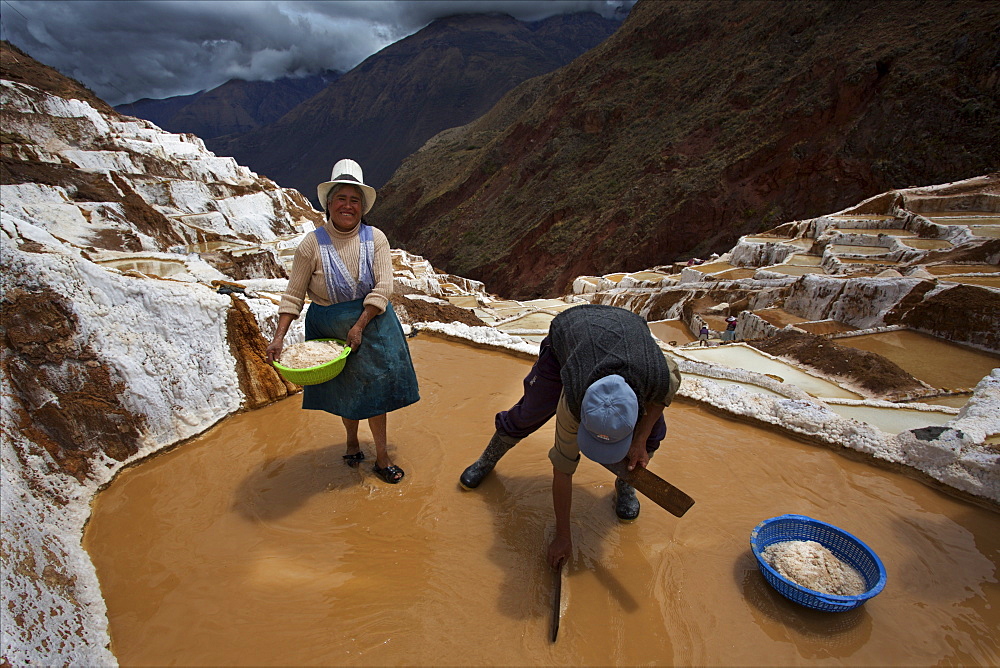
(935,361)
(255,545)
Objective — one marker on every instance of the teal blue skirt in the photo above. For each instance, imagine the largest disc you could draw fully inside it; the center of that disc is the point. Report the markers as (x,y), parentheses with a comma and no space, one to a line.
(377,378)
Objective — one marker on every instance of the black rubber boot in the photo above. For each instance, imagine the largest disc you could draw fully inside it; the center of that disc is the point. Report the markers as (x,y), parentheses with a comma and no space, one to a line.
(626,505)
(497,448)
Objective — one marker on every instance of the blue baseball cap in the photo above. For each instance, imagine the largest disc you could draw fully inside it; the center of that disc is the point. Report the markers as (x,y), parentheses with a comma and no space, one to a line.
(607,419)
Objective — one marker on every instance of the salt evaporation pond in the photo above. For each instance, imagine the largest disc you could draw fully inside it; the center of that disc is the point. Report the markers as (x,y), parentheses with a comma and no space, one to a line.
(147,266)
(895,420)
(935,361)
(845,249)
(741,356)
(825,327)
(779,317)
(671,330)
(985,281)
(926,244)
(892,232)
(946,269)
(538,320)
(255,545)
(795,269)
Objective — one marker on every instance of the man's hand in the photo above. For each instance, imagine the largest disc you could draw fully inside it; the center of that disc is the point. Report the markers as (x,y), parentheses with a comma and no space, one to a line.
(559,550)
(637,455)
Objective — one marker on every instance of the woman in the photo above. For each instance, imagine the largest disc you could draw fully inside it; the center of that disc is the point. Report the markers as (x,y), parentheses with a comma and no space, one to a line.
(345,268)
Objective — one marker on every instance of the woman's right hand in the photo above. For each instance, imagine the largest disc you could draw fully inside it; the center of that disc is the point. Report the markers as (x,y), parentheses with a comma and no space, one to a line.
(274,349)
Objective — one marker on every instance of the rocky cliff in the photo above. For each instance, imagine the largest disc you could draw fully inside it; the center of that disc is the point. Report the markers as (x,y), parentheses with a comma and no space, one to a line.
(446,74)
(697,122)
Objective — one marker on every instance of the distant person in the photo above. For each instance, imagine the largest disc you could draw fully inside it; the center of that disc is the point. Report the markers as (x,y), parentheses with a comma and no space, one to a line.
(703,335)
(601,374)
(730,333)
(345,268)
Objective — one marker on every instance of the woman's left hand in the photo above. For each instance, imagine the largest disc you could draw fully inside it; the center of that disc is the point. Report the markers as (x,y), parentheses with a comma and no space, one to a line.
(354,336)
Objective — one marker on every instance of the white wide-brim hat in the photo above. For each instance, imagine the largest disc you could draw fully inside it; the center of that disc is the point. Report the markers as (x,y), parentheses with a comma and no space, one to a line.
(348,172)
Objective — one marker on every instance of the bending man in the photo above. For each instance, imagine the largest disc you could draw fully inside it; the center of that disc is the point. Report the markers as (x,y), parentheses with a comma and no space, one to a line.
(607,382)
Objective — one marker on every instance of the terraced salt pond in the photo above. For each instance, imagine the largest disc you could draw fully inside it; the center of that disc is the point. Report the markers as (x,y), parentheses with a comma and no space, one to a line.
(946,269)
(742,356)
(926,244)
(985,281)
(254,545)
(825,327)
(874,231)
(937,362)
(672,330)
(794,270)
(892,420)
(845,249)
(148,266)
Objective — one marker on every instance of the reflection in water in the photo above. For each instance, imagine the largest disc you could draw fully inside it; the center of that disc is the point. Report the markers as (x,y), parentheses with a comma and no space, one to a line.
(254,544)
(815,634)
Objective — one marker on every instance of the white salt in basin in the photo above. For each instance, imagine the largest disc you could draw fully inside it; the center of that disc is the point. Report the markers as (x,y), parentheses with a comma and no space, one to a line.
(845,249)
(713,267)
(861,216)
(892,420)
(148,266)
(927,244)
(794,269)
(893,232)
(742,356)
(805,260)
(536,320)
(647,276)
(545,303)
(725,382)
(874,263)
(465,301)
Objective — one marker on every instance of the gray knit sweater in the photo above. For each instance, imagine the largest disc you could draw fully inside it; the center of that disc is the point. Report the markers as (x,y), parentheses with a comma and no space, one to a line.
(592,341)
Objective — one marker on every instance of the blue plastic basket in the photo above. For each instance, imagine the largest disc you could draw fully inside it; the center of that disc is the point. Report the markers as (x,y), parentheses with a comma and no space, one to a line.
(843,545)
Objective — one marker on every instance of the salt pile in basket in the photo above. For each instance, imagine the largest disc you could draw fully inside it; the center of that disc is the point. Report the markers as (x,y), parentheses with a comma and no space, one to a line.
(812,565)
(310,354)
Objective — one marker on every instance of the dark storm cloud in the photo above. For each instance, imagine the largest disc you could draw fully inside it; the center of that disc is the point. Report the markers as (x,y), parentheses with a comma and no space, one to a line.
(124,51)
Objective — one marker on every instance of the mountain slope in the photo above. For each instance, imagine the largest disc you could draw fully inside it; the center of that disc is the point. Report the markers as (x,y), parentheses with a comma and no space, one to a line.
(698,122)
(234,107)
(447,74)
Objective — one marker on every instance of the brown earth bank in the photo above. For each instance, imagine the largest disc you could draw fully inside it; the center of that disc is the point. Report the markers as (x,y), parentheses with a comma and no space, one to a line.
(859,368)
(16,65)
(418,310)
(695,123)
(63,397)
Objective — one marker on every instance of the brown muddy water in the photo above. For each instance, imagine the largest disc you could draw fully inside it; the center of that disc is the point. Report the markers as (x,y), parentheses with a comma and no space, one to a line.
(937,362)
(255,545)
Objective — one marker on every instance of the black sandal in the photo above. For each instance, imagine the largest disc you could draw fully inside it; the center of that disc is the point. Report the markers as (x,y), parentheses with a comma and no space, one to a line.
(391,473)
(354,459)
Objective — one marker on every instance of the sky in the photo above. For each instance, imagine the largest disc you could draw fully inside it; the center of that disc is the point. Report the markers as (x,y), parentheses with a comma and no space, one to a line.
(124,51)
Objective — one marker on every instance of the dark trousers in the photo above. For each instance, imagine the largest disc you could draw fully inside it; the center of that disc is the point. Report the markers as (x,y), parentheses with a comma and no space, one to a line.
(542,387)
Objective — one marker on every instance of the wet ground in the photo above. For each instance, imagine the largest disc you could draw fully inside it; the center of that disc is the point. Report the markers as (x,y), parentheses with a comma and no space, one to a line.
(255,545)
